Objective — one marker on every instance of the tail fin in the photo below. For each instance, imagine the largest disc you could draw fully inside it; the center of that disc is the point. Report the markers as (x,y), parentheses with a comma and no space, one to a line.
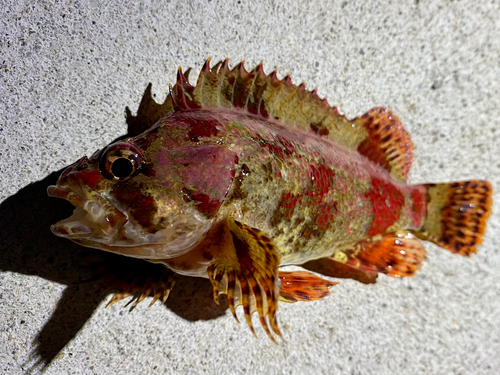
(456,215)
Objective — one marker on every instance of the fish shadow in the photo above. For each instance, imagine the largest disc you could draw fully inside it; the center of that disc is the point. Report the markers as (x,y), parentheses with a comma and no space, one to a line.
(28,247)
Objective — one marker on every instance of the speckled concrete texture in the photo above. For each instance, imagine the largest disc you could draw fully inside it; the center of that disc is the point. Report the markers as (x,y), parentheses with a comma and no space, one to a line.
(67,71)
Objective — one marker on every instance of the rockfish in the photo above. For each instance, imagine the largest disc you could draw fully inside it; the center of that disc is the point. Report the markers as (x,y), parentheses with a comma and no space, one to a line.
(244,173)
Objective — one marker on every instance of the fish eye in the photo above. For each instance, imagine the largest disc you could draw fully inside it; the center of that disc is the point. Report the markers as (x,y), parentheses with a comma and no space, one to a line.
(120,161)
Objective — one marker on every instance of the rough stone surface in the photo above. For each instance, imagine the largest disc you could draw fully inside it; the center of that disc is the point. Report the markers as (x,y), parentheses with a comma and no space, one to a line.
(68,69)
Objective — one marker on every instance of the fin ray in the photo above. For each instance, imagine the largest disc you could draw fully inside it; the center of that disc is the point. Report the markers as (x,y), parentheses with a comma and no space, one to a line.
(332,268)
(158,285)
(246,270)
(398,254)
(303,286)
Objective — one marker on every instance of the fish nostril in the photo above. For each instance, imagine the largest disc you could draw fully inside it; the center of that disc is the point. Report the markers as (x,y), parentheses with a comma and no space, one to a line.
(82,164)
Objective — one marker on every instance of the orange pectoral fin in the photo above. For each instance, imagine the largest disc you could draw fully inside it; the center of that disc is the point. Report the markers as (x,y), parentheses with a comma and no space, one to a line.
(246,270)
(397,254)
(303,286)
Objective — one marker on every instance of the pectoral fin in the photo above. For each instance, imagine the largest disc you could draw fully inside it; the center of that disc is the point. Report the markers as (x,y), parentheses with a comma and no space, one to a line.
(245,269)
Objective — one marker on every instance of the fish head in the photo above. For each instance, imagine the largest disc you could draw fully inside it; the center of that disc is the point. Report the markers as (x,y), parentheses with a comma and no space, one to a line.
(148,197)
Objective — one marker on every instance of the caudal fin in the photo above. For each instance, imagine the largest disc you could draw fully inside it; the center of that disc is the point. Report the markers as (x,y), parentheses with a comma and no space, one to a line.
(457,214)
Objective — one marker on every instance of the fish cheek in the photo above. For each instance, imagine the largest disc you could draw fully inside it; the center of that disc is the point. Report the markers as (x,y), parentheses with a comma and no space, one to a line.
(207,173)
(141,207)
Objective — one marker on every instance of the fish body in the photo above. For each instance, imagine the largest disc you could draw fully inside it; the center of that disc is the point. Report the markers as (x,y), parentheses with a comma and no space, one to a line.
(244,173)
(310,195)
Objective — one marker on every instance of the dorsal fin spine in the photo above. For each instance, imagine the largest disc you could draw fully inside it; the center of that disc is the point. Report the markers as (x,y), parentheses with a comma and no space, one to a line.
(220,71)
(242,86)
(187,73)
(227,84)
(278,84)
(202,78)
(253,100)
(294,102)
(183,97)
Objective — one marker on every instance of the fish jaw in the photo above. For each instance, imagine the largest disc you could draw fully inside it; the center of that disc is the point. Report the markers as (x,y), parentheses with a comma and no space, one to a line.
(89,216)
(154,247)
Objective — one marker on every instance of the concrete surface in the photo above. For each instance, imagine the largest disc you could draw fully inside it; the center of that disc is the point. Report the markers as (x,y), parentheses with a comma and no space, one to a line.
(68,69)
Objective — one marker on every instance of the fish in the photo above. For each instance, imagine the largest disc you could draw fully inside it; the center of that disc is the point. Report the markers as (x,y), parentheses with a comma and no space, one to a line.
(243,173)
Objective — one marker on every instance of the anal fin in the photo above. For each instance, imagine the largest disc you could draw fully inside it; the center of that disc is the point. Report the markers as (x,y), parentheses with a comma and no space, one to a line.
(398,254)
(303,286)
(246,270)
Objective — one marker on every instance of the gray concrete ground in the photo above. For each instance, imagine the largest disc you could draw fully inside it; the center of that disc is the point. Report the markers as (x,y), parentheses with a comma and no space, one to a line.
(68,69)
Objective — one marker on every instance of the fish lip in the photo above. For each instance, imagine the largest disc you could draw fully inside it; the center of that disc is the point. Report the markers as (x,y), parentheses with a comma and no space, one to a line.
(76,200)
(109,226)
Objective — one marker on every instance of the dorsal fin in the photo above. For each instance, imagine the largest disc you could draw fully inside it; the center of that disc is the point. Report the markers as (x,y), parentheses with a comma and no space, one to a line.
(378,135)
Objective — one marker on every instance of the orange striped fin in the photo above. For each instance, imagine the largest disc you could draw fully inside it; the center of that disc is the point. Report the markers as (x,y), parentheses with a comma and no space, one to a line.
(303,286)
(397,254)
(246,270)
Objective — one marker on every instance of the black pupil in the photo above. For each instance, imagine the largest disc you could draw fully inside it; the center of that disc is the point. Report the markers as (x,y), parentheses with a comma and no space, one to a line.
(122,168)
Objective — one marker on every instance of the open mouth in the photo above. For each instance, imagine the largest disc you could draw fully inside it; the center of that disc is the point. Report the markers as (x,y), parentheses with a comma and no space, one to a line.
(89,217)
(98,224)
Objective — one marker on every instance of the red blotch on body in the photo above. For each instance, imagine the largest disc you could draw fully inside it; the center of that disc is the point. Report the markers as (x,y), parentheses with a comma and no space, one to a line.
(202,129)
(315,196)
(326,213)
(206,205)
(280,147)
(322,178)
(419,207)
(387,202)
(288,202)
(277,149)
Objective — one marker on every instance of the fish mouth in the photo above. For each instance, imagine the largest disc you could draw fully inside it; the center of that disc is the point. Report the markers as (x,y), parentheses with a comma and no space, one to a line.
(89,219)
(98,224)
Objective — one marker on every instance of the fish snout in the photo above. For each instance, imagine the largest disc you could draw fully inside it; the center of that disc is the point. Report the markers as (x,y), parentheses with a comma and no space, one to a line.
(95,217)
